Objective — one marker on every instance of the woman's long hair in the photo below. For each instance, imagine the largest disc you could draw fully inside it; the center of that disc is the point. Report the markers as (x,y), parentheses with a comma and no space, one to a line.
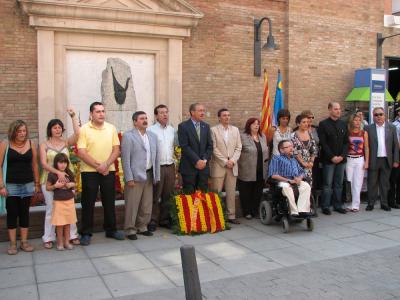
(62,157)
(350,124)
(248,124)
(14,126)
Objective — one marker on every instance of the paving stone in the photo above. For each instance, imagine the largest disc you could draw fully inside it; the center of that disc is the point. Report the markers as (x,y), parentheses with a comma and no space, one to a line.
(370,242)
(369,226)
(135,282)
(163,242)
(208,271)
(168,257)
(202,239)
(121,263)
(241,232)
(264,243)
(64,270)
(28,292)
(11,261)
(293,256)
(222,249)
(19,276)
(91,288)
(109,249)
(252,263)
(47,256)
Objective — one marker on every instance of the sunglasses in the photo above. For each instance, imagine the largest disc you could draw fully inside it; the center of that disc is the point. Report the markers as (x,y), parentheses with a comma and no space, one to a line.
(310,117)
(378,115)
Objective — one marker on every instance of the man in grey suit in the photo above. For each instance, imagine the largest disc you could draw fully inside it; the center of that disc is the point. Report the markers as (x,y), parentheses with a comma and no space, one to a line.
(141,165)
(383,155)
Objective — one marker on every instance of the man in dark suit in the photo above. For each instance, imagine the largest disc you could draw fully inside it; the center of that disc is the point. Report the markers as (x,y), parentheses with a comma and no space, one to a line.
(195,140)
(383,155)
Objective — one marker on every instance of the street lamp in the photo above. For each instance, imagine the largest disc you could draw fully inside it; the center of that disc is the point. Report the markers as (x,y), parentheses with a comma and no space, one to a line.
(269,45)
(379,41)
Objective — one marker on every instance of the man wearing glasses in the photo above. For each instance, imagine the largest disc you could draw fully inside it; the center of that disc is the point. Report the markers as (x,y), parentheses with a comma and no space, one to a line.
(384,154)
(285,169)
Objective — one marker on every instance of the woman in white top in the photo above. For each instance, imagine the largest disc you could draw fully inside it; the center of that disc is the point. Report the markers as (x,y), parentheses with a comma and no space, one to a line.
(280,132)
(55,144)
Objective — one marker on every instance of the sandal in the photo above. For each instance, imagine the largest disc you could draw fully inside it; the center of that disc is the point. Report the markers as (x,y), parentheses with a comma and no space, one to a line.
(68,247)
(354,210)
(25,246)
(48,245)
(60,248)
(12,250)
(75,242)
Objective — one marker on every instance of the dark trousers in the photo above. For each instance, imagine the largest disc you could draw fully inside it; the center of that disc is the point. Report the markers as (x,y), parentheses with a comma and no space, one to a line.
(197,181)
(394,191)
(162,191)
(17,211)
(379,176)
(91,181)
(332,187)
(250,193)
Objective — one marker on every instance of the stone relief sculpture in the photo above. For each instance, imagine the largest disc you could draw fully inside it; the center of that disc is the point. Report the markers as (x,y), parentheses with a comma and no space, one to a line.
(118,94)
(119,90)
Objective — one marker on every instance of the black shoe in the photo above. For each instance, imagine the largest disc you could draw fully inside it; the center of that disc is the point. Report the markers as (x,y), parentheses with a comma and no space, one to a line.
(369,207)
(117,235)
(85,240)
(146,233)
(152,227)
(340,210)
(395,206)
(326,211)
(132,237)
(385,208)
(305,214)
(233,221)
(166,225)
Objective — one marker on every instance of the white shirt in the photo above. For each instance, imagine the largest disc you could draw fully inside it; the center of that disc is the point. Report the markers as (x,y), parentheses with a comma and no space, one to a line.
(380,132)
(166,139)
(146,143)
(226,132)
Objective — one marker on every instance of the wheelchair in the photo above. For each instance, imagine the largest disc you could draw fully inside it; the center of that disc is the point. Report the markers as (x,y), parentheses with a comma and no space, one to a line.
(275,207)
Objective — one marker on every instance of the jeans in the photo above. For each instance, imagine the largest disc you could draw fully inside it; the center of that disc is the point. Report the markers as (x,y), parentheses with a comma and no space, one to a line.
(333,175)
(91,181)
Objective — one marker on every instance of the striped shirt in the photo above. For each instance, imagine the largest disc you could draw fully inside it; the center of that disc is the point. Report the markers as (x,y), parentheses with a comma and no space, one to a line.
(285,166)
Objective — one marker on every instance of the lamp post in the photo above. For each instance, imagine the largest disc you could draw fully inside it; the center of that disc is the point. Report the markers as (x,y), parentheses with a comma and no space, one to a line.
(270,45)
(379,41)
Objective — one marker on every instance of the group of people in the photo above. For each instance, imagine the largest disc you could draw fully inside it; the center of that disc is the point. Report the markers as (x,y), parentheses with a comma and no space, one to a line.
(219,155)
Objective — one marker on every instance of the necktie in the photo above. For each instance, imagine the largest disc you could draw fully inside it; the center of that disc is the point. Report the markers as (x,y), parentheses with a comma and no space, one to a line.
(198,130)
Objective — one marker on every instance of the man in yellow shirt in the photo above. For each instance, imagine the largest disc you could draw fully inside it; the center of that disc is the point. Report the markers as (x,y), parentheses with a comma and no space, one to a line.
(98,148)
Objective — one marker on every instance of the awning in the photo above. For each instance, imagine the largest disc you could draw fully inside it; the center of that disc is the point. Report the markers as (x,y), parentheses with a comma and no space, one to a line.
(363,93)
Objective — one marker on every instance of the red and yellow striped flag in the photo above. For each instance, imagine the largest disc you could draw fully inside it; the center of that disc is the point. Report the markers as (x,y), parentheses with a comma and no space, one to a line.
(266,107)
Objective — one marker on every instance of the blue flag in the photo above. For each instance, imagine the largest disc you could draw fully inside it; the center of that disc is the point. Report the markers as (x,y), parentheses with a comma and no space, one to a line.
(278,104)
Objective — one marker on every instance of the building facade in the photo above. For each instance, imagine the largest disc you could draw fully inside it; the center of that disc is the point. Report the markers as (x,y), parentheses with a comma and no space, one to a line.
(192,51)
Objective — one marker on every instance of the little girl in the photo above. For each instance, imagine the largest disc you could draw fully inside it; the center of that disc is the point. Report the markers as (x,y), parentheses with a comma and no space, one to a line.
(64,213)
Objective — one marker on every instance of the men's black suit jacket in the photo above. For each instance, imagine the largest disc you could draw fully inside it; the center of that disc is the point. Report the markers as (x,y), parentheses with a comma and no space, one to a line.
(193,149)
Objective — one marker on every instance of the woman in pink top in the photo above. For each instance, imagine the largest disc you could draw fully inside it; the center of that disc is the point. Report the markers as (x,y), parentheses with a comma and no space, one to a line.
(357,160)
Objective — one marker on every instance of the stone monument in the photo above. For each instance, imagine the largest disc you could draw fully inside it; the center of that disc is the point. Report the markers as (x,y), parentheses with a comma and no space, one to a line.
(118,94)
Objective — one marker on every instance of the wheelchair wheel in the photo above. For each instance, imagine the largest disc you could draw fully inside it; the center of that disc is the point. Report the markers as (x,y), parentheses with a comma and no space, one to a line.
(285,224)
(265,212)
(310,225)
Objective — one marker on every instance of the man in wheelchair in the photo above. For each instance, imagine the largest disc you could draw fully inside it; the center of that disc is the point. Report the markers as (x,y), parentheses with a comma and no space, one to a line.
(286,171)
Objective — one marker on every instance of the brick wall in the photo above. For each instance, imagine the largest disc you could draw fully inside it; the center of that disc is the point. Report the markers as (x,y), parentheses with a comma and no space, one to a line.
(18,68)
(218,57)
(321,44)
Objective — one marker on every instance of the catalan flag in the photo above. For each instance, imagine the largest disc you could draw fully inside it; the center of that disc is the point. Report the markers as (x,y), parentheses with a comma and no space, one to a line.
(266,107)
(278,104)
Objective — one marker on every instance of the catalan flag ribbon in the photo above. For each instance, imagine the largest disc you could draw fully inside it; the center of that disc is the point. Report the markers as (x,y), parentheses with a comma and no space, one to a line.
(278,104)
(266,107)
